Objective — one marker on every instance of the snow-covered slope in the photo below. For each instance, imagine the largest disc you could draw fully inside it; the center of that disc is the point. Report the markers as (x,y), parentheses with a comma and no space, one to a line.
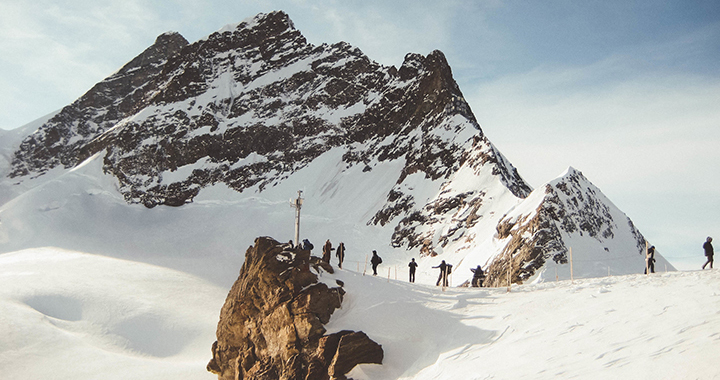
(568,219)
(72,315)
(231,126)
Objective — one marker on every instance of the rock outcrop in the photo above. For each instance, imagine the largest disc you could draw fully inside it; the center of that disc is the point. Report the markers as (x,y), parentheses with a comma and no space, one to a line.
(271,326)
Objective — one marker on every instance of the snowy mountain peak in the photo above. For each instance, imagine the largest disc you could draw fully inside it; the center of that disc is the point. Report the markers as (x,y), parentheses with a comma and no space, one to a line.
(568,212)
(391,158)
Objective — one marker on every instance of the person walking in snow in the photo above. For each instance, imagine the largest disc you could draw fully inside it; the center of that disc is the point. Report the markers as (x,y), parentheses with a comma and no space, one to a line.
(650,260)
(708,252)
(375,261)
(327,250)
(478,277)
(413,265)
(445,270)
(340,253)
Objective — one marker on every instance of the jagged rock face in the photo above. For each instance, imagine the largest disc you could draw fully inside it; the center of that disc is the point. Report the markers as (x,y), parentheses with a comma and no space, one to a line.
(569,205)
(63,140)
(254,103)
(271,326)
(453,211)
(250,105)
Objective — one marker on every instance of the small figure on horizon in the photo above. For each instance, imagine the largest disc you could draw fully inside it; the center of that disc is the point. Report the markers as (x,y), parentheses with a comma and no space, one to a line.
(478,277)
(340,253)
(708,252)
(413,265)
(650,260)
(307,245)
(445,270)
(327,251)
(375,261)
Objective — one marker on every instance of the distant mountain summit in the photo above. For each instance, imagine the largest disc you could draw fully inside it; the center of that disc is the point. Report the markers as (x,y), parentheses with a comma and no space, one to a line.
(394,154)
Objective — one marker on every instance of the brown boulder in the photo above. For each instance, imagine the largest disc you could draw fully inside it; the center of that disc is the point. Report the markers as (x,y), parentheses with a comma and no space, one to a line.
(272,323)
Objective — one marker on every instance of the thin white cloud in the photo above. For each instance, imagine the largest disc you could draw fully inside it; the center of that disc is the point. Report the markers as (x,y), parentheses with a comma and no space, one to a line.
(57,51)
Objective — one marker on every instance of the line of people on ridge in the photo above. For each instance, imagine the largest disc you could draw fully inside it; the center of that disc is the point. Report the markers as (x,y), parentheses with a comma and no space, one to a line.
(478,274)
(445,268)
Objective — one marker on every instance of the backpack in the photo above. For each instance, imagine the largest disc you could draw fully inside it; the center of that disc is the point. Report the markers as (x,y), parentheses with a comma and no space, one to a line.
(449,269)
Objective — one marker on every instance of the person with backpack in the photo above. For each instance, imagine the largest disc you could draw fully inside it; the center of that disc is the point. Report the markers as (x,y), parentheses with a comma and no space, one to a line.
(708,252)
(375,261)
(413,265)
(445,270)
(340,253)
(307,245)
(650,260)
(478,277)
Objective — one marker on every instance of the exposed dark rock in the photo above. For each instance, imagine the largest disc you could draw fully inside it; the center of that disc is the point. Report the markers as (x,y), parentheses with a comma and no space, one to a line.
(570,204)
(271,326)
(354,348)
(67,138)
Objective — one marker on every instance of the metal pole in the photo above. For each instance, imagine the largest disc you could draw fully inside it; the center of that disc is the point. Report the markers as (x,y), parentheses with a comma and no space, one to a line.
(297,204)
(572,279)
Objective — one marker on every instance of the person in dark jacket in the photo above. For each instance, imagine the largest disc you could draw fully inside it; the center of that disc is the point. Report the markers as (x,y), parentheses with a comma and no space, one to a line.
(340,253)
(375,261)
(650,260)
(307,245)
(708,252)
(478,277)
(445,270)
(413,265)
(327,251)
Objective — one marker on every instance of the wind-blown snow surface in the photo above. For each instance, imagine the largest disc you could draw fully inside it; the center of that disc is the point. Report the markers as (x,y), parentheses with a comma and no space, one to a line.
(72,315)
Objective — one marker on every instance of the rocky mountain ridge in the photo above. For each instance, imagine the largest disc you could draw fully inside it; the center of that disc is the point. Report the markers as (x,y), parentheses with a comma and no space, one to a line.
(253,106)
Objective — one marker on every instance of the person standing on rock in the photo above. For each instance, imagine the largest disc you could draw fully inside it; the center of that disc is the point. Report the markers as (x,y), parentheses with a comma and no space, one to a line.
(708,252)
(327,250)
(307,245)
(444,272)
(375,261)
(340,253)
(413,265)
(650,260)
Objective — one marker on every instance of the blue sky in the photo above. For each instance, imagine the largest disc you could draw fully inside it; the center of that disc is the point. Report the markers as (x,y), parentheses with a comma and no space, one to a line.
(628,92)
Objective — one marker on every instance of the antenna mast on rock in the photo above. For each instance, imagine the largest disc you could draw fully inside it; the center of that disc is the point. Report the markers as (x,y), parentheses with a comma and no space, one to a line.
(297,204)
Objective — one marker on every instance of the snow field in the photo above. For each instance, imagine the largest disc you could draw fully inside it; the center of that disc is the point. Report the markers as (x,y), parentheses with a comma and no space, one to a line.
(72,315)
(662,326)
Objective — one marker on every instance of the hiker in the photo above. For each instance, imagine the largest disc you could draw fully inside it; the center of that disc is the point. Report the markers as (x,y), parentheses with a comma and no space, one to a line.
(327,250)
(340,253)
(478,277)
(307,245)
(375,261)
(413,265)
(445,270)
(708,252)
(650,260)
